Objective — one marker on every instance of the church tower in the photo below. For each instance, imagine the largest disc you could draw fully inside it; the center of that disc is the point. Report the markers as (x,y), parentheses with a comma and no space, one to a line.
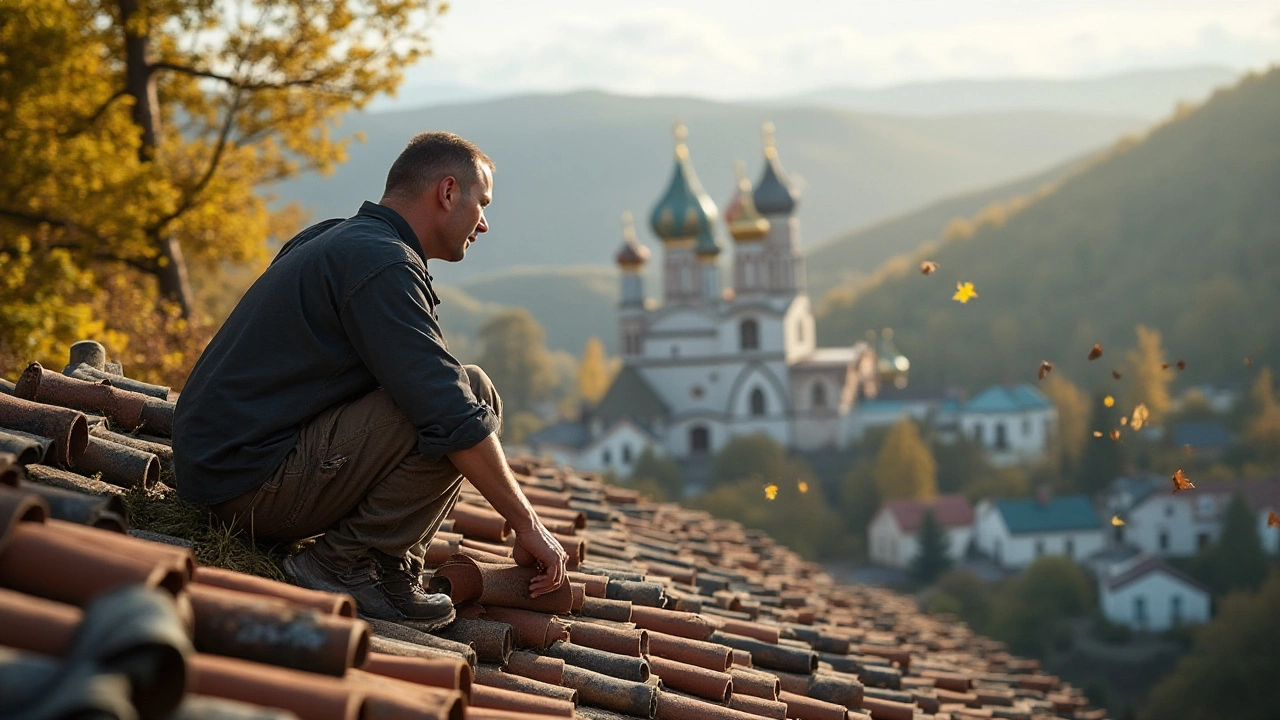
(748,229)
(631,259)
(684,219)
(775,198)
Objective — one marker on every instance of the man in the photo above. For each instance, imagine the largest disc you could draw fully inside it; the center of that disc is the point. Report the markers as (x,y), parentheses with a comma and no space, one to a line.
(328,403)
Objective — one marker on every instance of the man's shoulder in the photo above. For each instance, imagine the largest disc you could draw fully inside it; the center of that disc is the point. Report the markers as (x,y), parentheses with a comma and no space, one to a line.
(359,243)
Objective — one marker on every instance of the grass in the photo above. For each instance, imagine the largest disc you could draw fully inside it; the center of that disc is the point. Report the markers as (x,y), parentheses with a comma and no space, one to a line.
(160,510)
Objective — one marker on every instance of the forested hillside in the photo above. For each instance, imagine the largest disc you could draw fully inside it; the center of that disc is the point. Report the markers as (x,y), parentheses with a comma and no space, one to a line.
(1180,232)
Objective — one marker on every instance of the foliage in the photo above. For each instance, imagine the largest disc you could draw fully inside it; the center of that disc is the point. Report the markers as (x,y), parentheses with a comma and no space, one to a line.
(968,595)
(659,475)
(1147,376)
(1262,428)
(515,357)
(755,456)
(1068,442)
(1236,561)
(1030,613)
(1144,234)
(1104,458)
(859,499)
(1232,668)
(134,137)
(905,467)
(932,558)
(961,464)
(594,373)
(803,521)
(518,425)
(1009,482)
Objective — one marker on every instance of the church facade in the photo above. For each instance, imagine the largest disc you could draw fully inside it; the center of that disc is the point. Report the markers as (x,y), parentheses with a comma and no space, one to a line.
(721,351)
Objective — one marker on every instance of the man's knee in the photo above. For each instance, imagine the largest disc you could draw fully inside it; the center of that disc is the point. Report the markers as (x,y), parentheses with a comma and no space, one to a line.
(482,387)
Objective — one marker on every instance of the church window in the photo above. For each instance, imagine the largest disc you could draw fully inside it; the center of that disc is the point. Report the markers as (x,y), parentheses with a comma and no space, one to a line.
(757,402)
(819,395)
(800,331)
(749,334)
(699,440)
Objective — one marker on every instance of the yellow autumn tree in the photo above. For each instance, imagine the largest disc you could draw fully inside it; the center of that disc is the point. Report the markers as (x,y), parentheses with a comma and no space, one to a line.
(1146,380)
(134,135)
(1073,417)
(594,373)
(1262,429)
(905,467)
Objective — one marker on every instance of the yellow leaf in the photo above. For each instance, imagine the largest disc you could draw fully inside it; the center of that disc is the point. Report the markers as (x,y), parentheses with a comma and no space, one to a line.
(1116,521)
(964,293)
(1108,401)
(1097,433)
(770,491)
(1115,434)
(803,486)
(1140,415)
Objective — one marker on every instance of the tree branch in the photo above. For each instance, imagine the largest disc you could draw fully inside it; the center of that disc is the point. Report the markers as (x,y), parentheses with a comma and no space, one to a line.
(224,133)
(237,83)
(84,124)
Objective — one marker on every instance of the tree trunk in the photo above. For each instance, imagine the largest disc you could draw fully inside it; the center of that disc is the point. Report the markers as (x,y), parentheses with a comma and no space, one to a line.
(140,84)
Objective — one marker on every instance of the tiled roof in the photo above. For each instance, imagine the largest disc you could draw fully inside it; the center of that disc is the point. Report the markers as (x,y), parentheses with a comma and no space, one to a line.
(950,510)
(1147,565)
(1030,515)
(631,396)
(1008,398)
(669,614)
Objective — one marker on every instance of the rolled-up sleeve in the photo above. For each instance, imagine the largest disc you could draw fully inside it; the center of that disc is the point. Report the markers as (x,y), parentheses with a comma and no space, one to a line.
(389,321)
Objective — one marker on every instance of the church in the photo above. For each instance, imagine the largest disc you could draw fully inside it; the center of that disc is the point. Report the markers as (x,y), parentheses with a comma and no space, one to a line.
(720,356)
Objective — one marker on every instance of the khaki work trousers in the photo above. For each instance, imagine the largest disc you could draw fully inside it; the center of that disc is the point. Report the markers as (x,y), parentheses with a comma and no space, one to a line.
(357,477)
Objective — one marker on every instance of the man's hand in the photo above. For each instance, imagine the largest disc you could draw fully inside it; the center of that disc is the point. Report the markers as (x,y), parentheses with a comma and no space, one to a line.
(549,555)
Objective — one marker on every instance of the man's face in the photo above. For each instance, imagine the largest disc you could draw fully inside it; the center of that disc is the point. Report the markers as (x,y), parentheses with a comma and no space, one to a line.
(466,216)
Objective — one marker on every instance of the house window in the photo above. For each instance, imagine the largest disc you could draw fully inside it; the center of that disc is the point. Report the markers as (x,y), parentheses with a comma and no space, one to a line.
(757,403)
(606,457)
(1002,442)
(749,334)
(626,454)
(1202,540)
(1069,547)
(1039,548)
(699,440)
(1175,609)
(1140,611)
(819,395)
(1164,540)
(1026,428)
(977,433)
(1119,534)
(1168,509)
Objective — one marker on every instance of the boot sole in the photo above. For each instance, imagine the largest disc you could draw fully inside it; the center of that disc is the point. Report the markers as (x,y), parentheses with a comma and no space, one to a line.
(419,625)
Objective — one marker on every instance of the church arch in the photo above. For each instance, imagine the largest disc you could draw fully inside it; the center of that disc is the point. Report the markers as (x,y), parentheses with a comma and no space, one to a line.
(759,407)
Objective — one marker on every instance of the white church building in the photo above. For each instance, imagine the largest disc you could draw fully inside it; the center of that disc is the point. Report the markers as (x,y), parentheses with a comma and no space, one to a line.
(718,357)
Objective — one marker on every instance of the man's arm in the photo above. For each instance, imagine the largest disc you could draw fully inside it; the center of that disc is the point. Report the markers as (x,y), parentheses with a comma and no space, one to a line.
(485,465)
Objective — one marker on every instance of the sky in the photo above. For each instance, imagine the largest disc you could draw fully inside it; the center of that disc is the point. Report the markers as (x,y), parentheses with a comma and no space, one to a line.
(741,49)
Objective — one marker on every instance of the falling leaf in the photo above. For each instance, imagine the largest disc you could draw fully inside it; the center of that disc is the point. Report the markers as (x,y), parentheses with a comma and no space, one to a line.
(1273,520)
(1097,433)
(1045,368)
(1116,521)
(928,267)
(1124,420)
(1115,434)
(1115,374)
(1108,401)
(1164,366)
(1182,364)
(1180,482)
(1140,415)
(803,486)
(1096,352)
(964,293)
(770,491)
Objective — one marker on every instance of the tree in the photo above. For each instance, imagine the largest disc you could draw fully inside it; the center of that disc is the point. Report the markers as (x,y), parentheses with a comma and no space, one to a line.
(801,520)
(905,467)
(1262,428)
(1104,458)
(1030,612)
(933,556)
(515,356)
(593,372)
(135,133)
(962,463)
(657,472)
(1237,561)
(1073,421)
(1232,667)
(1147,380)
(755,456)
(968,596)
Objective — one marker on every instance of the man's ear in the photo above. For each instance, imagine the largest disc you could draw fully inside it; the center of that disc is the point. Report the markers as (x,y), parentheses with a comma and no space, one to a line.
(447,192)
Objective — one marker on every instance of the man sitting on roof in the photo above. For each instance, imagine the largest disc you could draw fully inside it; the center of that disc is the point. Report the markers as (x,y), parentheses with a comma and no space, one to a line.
(328,403)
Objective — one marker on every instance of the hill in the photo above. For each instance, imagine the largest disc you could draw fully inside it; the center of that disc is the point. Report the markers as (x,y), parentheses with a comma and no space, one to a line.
(852,257)
(1146,93)
(568,165)
(1179,231)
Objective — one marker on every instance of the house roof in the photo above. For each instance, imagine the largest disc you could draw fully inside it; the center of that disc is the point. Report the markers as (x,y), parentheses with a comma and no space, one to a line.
(1008,398)
(1262,493)
(952,511)
(1204,435)
(1145,566)
(1030,515)
(631,396)
(569,434)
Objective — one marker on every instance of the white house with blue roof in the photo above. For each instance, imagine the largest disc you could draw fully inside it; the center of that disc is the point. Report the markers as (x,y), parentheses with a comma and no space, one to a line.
(1015,423)
(1014,532)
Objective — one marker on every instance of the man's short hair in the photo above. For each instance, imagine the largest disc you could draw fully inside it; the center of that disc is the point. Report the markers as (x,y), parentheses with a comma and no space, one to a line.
(431,156)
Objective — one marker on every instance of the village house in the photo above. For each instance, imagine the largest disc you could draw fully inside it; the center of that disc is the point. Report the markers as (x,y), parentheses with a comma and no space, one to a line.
(1014,532)
(1013,423)
(892,534)
(1145,593)
(1166,525)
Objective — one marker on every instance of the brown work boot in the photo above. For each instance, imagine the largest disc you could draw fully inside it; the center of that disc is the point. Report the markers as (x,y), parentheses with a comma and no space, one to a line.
(374,597)
(402,588)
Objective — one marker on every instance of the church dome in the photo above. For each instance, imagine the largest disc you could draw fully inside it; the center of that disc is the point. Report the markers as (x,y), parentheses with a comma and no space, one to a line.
(774,195)
(740,215)
(632,254)
(685,211)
